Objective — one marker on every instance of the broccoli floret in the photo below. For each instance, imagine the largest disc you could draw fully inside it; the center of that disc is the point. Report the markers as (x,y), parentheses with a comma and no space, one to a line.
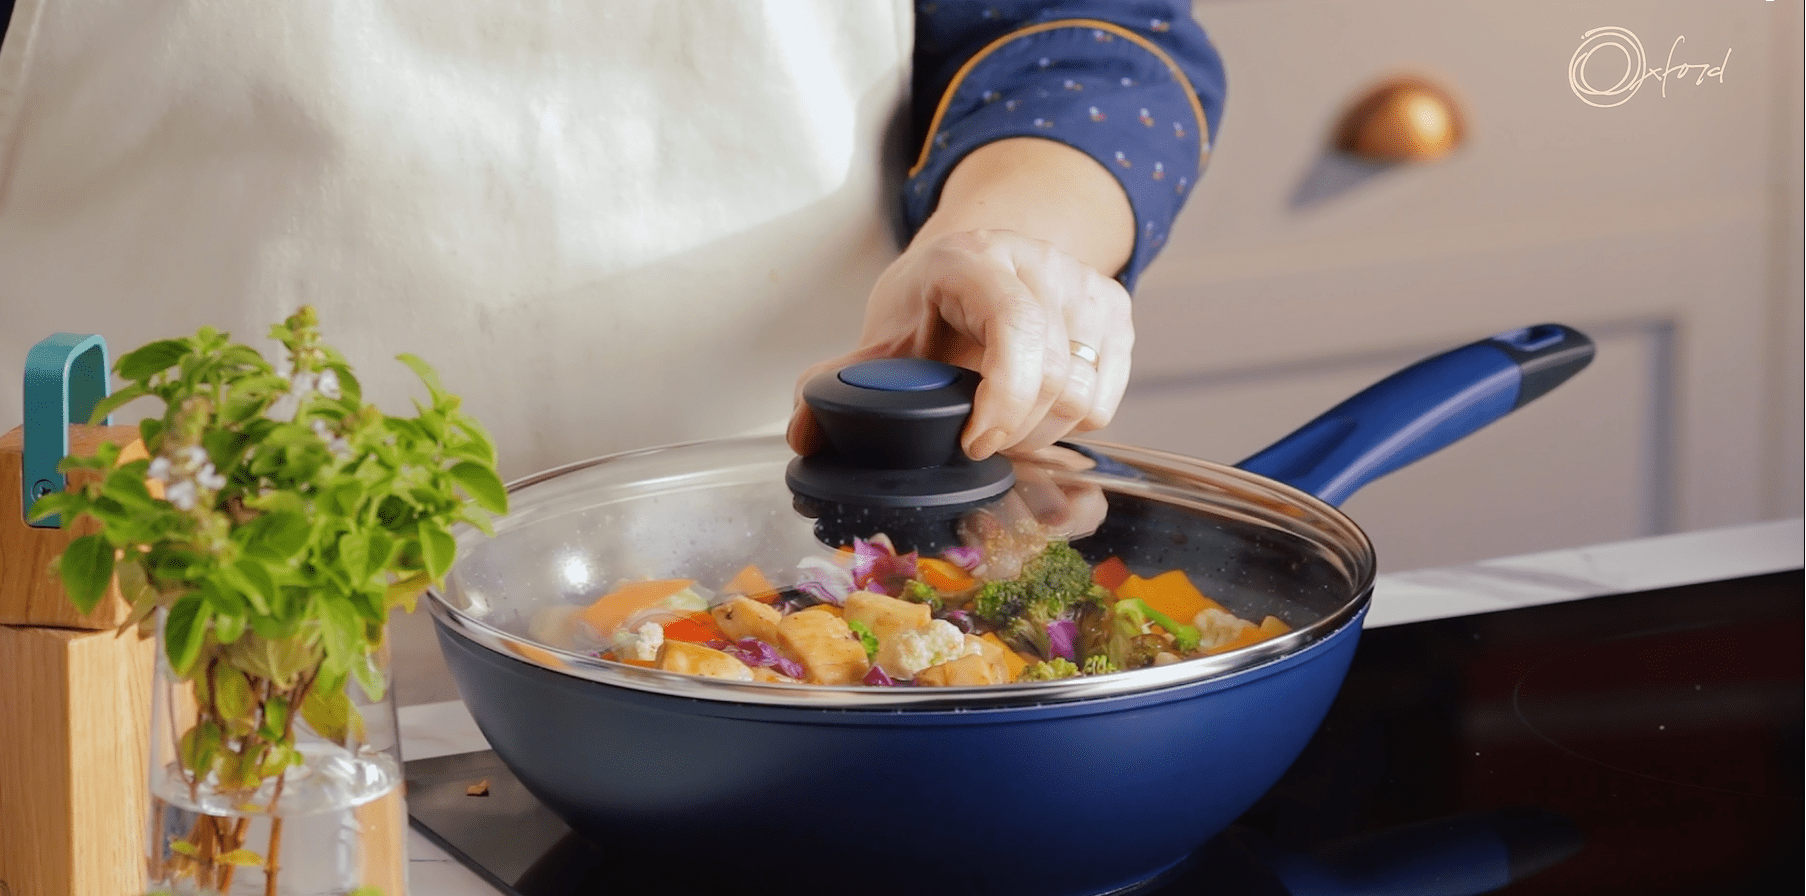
(1098,665)
(1185,637)
(1050,670)
(1053,584)
(1118,635)
(920,592)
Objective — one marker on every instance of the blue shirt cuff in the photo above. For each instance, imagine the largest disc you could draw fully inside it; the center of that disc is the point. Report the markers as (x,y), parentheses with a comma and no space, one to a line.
(1098,87)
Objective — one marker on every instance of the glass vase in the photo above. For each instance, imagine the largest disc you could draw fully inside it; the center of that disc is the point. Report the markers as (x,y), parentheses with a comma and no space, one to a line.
(249,798)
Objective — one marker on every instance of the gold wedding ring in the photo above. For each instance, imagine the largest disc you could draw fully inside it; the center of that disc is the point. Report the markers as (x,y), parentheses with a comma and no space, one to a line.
(1083,352)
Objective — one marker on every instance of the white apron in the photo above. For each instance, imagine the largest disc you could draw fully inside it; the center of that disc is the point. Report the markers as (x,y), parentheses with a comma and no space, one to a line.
(608,224)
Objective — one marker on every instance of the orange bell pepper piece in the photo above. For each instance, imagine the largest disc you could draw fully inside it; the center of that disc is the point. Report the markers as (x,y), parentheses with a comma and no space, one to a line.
(698,627)
(1268,628)
(610,610)
(751,582)
(1171,593)
(943,576)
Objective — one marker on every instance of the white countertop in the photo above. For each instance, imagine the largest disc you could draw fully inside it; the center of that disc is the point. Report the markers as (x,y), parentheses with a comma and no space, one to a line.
(438,729)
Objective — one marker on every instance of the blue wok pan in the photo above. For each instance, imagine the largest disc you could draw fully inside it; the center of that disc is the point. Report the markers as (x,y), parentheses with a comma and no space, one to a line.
(1080,786)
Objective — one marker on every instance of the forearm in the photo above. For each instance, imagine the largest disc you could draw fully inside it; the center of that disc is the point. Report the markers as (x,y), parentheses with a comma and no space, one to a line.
(1041,189)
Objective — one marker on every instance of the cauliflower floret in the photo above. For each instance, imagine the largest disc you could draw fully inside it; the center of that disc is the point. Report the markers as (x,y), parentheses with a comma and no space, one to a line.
(1217,627)
(641,643)
(904,654)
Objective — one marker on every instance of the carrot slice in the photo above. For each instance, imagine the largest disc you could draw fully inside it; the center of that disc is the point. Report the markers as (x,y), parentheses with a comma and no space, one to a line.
(751,582)
(537,654)
(698,627)
(610,610)
(1012,660)
(1171,593)
(944,576)
(1111,573)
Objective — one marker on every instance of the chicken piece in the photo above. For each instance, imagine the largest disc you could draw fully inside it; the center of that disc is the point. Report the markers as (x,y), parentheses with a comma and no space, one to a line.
(744,617)
(828,650)
(885,615)
(771,676)
(972,669)
(695,659)
(1005,663)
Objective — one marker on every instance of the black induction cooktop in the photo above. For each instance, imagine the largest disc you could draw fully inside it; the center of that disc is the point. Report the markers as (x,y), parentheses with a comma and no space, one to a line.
(1644,743)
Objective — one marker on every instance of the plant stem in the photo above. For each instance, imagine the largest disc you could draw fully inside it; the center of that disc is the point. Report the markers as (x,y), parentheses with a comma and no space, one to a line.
(272,858)
(272,862)
(238,840)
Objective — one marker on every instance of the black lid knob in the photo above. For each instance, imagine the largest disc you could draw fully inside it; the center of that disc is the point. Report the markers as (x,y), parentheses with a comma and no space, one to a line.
(892,428)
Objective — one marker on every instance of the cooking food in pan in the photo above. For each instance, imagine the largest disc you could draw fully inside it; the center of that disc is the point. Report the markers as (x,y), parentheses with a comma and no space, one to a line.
(1017,606)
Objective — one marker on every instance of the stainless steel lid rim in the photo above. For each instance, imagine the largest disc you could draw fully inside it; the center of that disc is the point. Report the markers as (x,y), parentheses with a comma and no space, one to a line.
(1165,511)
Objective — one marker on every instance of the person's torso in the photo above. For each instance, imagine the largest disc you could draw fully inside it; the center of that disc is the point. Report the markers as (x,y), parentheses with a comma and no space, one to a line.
(608,225)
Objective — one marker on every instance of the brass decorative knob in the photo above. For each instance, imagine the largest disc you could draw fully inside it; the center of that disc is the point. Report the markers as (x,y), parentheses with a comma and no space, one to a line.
(1401,120)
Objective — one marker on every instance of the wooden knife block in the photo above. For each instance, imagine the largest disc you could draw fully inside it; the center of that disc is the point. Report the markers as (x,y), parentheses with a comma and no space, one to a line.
(74,710)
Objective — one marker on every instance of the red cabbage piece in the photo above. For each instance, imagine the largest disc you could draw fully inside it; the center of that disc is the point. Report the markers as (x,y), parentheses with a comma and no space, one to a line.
(824,581)
(877,678)
(754,652)
(1060,638)
(965,557)
(878,567)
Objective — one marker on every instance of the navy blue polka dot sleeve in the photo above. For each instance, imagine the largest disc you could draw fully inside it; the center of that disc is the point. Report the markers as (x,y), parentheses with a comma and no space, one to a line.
(1135,85)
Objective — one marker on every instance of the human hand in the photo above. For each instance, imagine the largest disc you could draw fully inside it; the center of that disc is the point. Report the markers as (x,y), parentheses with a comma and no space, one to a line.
(1062,505)
(1017,310)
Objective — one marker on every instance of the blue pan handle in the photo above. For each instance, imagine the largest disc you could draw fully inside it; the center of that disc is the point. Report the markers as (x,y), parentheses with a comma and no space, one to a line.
(1422,409)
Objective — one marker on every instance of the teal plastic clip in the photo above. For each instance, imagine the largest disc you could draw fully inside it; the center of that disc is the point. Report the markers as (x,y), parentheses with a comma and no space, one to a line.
(65,379)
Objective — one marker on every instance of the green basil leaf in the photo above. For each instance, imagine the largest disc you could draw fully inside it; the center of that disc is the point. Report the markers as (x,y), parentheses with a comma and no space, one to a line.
(228,627)
(437,548)
(481,483)
(232,693)
(479,440)
(275,718)
(197,746)
(253,581)
(351,392)
(343,499)
(327,710)
(426,373)
(341,630)
(69,504)
(277,535)
(354,556)
(184,630)
(106,406)
(380,549)
(150,360)
(150,430)
(369,677)
(86,568)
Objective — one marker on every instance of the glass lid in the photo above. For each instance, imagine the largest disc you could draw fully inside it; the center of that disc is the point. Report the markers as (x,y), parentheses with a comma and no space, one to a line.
(706,571)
